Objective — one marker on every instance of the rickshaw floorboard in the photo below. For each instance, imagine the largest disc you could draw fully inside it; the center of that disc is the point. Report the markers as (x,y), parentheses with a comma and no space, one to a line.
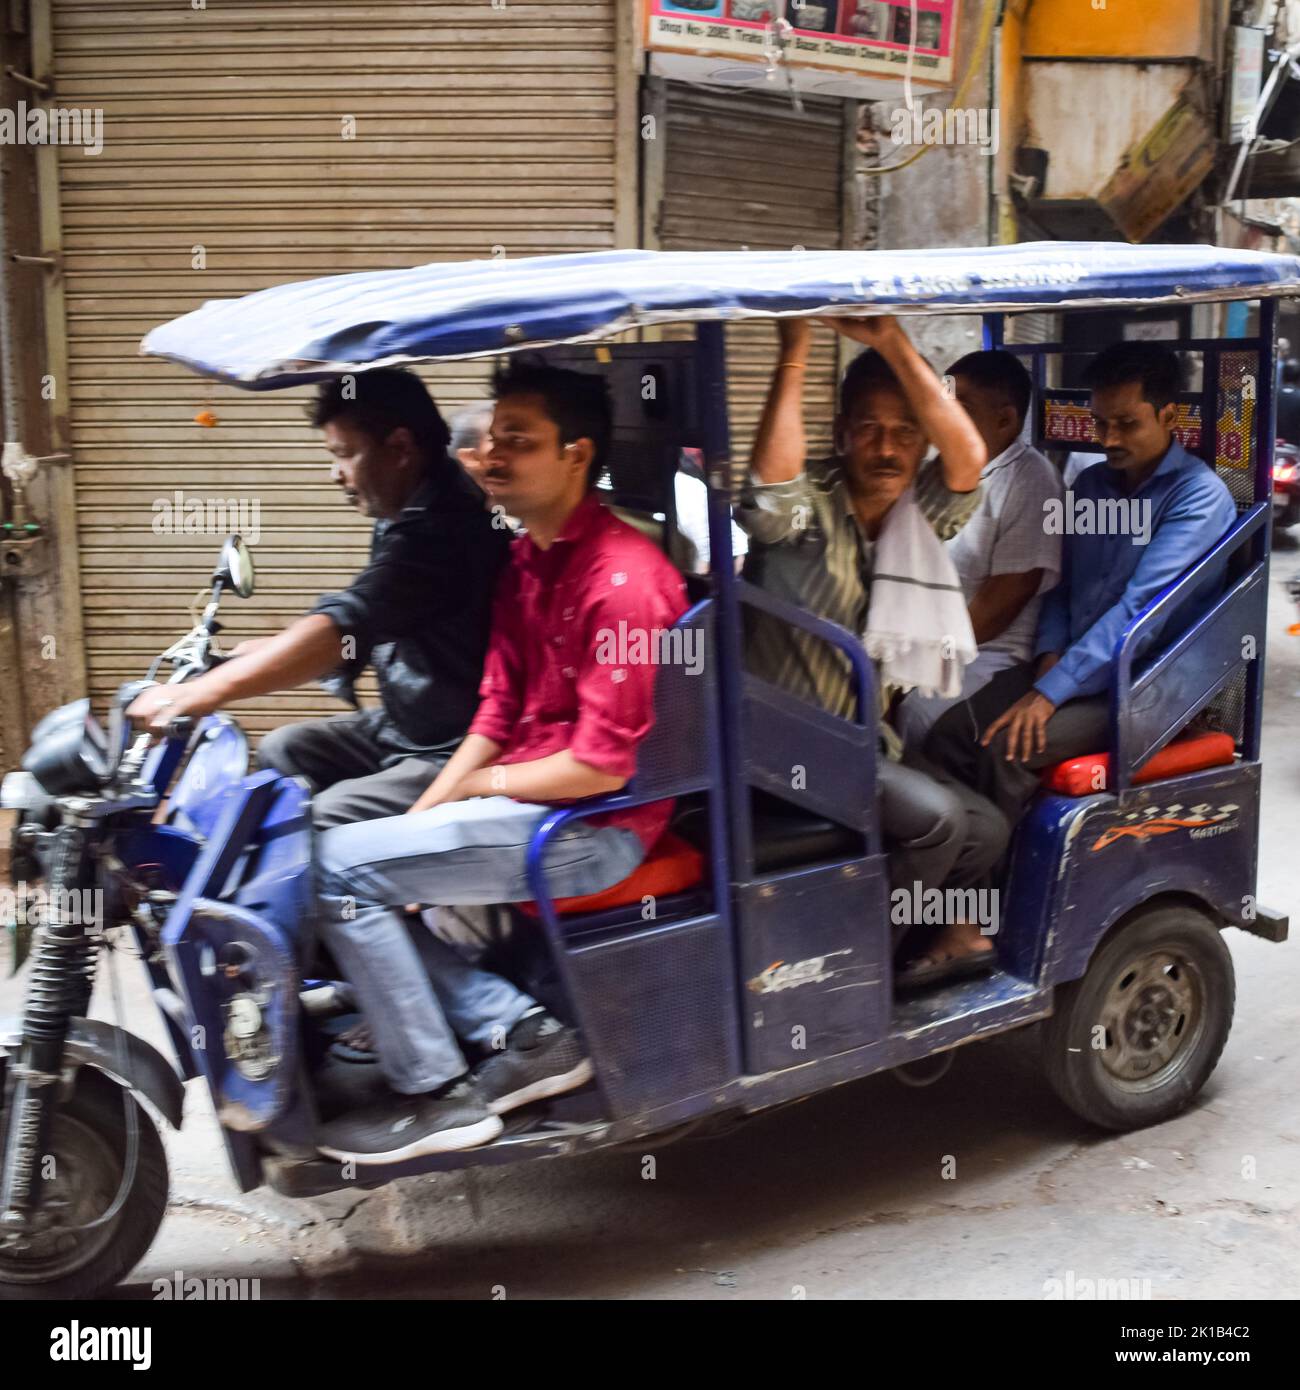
(944,1016)
(958,1000)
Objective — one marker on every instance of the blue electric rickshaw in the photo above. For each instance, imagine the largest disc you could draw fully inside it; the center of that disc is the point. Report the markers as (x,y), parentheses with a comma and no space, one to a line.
(763,975)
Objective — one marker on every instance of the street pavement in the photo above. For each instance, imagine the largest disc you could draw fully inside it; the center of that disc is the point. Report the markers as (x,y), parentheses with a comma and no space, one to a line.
(844,1195)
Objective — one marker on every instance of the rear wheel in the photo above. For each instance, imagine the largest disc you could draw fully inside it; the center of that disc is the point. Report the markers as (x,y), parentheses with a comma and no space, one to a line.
(67,1256)
(1134,1040)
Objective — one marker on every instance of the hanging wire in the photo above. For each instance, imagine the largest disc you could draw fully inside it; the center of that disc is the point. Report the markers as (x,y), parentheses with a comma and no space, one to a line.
(977,57)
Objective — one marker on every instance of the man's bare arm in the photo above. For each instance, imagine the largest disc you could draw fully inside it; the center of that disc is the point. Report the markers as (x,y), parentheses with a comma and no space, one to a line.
(557,777)
(304,650)
(999,600)
(476,751)
(779,444)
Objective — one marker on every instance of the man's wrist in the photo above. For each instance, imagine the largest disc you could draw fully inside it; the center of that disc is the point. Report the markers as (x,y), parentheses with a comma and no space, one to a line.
(1054,686)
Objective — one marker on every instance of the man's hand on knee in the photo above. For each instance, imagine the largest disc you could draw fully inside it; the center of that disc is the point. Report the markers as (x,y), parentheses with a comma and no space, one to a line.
(1026,726)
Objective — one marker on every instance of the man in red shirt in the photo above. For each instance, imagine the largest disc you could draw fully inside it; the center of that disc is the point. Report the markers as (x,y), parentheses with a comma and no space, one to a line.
(564,705)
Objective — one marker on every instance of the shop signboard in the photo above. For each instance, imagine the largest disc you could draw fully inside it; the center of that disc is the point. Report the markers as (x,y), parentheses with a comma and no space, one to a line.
(850,47)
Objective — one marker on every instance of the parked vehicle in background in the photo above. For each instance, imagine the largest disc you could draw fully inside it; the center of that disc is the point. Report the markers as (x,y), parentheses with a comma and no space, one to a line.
(1286,483)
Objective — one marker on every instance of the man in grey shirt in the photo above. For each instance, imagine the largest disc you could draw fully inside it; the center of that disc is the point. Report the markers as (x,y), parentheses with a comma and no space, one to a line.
(813,526)
(1004,556)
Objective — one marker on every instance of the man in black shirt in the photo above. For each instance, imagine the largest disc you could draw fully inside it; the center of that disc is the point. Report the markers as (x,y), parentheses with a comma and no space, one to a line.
(418,613)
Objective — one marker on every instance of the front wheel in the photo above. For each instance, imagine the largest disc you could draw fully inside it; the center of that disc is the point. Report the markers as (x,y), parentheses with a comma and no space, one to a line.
(1132,1042)
(70,1255)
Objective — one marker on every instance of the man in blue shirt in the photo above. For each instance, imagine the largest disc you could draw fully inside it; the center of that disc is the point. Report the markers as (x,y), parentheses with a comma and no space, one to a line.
(1131,526)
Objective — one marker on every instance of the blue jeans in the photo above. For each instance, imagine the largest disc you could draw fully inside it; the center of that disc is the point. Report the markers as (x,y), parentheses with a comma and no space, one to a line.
(418,993)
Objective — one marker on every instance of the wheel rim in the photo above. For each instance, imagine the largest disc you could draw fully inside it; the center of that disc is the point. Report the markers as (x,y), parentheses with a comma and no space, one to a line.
(1154,1015)
(86,1179)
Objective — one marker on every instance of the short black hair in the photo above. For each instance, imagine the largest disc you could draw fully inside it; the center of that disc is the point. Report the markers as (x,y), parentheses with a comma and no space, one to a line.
(867,372)
(999,371)
(468,427)
(1155,368)
(578,402)
(380,401)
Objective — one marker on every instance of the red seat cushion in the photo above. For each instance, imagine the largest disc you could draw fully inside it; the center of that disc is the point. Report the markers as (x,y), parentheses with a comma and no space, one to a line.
(672,866)
(1091,773)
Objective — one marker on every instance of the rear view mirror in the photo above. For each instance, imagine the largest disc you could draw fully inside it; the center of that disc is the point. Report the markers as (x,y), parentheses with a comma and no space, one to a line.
(235,567)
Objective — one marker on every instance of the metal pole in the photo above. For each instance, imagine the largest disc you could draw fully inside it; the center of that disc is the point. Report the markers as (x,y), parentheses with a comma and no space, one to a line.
(711,355)
(1265,429)
(13,404)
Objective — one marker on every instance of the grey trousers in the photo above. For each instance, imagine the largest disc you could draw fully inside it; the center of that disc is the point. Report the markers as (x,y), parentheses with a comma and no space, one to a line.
(352,774)
(419,994)
(1076,728)
(938,832)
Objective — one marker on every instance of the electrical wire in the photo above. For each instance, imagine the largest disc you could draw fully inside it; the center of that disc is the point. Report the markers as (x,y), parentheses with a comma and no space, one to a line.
(976,59)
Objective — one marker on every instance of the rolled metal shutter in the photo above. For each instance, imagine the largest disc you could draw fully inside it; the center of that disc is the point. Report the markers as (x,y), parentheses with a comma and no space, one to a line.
(746,170)
(254,142)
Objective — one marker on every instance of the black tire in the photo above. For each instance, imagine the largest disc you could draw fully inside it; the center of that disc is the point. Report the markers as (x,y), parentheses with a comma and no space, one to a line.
(1161,988)
(89,1145)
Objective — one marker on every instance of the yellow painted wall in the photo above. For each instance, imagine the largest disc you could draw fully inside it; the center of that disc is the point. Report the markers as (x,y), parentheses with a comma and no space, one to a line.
(1011,114)
(1119,28)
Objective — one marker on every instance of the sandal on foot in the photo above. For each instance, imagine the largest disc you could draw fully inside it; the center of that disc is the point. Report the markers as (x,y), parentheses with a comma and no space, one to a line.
(920,976)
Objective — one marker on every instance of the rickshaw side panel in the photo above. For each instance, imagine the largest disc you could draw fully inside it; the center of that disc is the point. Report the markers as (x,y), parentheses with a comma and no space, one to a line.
(1084,863)
(815,960)
(658,1011)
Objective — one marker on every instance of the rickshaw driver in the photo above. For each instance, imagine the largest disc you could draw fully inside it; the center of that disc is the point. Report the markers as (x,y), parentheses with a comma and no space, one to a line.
(418,613)
(559,720)
(814,527)
(1057,707)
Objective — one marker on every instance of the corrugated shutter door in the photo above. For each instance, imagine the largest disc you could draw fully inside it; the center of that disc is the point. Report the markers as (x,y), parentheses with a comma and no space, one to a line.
(744,169)
(228,145)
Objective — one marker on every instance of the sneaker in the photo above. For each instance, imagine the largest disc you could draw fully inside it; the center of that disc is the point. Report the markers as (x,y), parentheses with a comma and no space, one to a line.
(451,1118)
(541,1058)
(325,1000)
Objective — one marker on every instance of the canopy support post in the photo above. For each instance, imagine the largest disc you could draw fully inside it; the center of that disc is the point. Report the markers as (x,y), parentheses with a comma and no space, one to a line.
(711,357)
(994,325)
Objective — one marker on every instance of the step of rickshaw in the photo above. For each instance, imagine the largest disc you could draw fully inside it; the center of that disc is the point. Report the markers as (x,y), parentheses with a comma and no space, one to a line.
(961,1004)
(314,1177)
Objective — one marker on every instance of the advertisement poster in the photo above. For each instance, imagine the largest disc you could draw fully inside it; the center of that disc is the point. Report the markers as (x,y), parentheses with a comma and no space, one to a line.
(869,38)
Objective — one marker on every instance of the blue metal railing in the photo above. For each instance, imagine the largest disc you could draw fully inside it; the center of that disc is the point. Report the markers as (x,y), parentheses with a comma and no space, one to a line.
(1197,664)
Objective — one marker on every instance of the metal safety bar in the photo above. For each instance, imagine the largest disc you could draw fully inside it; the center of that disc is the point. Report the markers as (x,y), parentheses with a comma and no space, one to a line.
(1204,658)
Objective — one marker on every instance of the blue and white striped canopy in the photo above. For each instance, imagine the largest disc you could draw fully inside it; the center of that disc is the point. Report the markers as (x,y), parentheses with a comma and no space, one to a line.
(454,309)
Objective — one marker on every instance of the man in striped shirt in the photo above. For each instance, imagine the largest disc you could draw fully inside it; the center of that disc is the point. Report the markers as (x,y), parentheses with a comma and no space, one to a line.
(813,527)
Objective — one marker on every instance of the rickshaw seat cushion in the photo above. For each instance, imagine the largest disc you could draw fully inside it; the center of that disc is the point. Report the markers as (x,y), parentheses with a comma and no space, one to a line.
(672,866)
(1190,753)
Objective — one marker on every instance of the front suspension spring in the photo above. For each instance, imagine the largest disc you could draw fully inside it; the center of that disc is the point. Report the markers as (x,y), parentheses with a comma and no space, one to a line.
(63,965)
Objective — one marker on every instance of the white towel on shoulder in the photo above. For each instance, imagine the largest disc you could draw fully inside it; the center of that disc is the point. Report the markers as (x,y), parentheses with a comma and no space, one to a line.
(918,628)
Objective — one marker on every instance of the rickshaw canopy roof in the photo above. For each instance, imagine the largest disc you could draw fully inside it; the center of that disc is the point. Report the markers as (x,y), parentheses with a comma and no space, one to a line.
(457,309)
